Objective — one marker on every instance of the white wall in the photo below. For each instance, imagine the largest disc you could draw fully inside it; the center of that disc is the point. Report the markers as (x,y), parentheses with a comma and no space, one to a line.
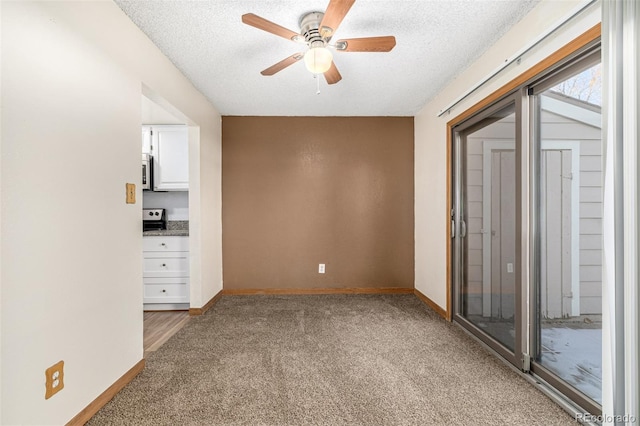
(71,277)
(431,214)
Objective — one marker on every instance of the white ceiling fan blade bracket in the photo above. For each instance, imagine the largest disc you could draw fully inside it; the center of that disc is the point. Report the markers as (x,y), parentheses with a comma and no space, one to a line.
(340,45)
(299,39)
(326,33)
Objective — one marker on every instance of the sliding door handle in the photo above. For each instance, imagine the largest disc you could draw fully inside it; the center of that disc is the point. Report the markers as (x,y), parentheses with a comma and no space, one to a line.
(463,229)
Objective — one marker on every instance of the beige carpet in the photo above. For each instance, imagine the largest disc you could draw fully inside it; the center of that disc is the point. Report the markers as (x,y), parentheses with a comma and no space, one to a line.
(326,360)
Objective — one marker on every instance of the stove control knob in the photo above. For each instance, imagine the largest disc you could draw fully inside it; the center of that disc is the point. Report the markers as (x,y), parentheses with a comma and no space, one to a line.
(157,214)
(150,213)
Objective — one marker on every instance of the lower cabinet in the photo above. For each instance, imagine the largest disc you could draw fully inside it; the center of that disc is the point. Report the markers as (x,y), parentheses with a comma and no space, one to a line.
(166,290)
(165,273)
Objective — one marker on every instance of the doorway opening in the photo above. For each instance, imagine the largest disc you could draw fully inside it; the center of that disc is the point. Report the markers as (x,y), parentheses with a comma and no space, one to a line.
(170,142)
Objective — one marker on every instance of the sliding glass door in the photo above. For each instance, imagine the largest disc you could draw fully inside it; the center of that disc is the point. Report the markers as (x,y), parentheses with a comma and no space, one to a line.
(527,190)
(567,294)
(486,225)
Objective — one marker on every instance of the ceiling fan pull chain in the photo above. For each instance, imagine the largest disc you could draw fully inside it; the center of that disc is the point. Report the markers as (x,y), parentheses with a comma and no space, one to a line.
(317,84)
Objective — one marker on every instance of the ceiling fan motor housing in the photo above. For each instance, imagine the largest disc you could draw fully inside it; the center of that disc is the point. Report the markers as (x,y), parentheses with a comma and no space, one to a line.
(309,28)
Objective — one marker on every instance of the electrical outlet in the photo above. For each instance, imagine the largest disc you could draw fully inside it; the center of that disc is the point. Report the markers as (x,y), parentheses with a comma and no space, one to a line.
(54,379)
(510,268)
(131,193)
(321,268)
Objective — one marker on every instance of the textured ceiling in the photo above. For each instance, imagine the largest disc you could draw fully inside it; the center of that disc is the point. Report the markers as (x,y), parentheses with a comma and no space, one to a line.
(436,40)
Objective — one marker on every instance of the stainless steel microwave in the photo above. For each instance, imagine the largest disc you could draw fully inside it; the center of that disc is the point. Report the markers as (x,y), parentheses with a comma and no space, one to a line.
(147,172)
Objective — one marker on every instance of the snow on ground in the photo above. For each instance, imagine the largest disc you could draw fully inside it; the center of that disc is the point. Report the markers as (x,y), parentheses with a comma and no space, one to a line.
(575,355)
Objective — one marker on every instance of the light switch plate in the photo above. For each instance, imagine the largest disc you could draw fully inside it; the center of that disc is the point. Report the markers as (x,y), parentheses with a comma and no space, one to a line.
(131,193)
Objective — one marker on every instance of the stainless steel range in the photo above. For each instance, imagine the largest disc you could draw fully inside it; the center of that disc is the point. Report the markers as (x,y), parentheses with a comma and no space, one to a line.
(154,219)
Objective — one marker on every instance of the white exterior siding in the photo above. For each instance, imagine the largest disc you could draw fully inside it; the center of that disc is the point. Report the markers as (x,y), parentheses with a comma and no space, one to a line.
(554,128)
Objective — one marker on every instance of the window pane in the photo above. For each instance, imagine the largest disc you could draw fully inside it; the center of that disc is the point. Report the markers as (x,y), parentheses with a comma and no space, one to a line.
(570,211)
(488,293)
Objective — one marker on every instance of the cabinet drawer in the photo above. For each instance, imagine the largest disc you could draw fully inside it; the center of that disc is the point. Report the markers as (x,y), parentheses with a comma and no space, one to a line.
(163,290)
(173,264)
(165,244)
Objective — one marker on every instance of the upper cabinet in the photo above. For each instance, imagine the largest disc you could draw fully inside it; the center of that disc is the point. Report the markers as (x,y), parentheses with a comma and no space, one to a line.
(169,146)
(146,139)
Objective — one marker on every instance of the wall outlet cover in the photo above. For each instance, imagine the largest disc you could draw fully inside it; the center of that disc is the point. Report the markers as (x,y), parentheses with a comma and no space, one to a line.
(54,379)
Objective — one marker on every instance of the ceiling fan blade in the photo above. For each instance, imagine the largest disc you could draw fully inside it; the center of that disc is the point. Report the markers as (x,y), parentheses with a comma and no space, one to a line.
(367,44)
(333,16)
(268,26)
(332,75)
(282,64)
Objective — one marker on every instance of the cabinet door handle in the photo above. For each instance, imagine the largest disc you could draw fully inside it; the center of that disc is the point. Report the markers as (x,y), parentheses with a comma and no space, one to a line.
(163,244)
(164,291)
(164,264)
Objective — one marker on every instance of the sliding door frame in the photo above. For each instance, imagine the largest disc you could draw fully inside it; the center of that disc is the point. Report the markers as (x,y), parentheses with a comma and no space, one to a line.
(527,196)
(460,217)
(588,56)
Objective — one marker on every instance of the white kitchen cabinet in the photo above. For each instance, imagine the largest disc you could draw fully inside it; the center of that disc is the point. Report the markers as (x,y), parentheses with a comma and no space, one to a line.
(146,139)
(166,265)
(165,291)
(165,272)
(165,244)
(170,150)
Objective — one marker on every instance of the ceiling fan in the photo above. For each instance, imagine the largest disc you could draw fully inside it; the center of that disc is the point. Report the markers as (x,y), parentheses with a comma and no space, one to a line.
(316,30)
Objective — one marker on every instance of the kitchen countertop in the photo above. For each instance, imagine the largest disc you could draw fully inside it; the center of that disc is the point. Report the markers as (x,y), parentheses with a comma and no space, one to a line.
(175,228)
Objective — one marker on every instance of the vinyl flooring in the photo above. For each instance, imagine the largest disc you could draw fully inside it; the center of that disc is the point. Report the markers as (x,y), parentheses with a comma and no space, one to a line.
(159,326)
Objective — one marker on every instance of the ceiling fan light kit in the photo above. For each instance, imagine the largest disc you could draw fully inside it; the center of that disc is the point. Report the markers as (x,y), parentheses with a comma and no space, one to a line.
(316,30)
(318,59)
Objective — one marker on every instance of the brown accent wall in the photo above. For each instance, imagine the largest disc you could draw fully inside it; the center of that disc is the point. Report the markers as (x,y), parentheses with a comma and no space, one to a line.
(299,191)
